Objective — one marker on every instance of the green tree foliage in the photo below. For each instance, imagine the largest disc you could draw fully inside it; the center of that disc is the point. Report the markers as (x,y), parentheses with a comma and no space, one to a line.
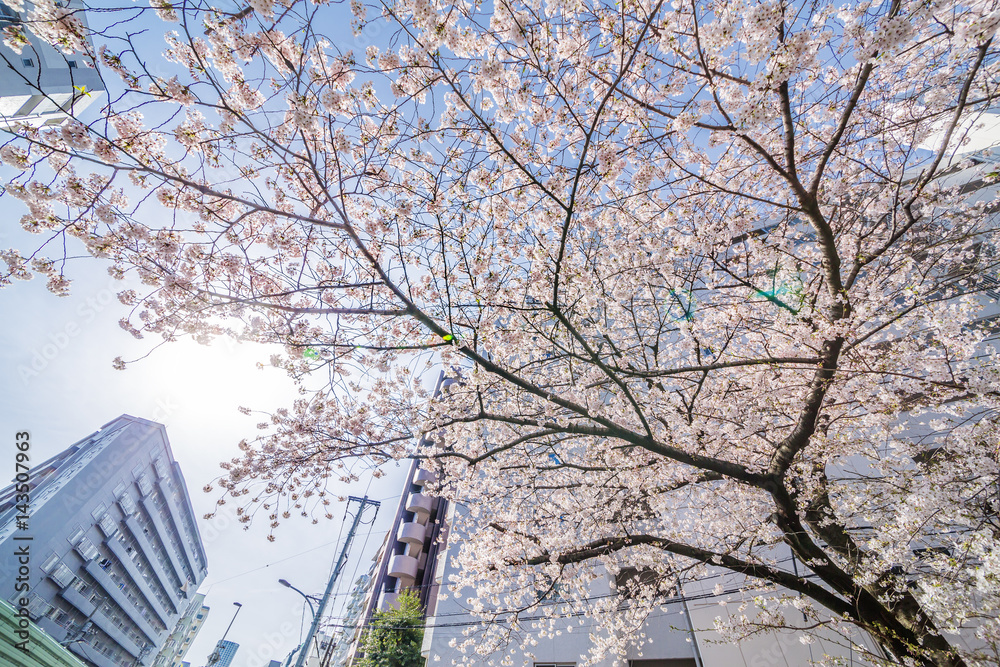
(394,636)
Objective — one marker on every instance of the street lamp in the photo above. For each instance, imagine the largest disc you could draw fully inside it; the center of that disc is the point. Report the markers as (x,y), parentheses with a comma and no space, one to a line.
(309,598)
(216,654)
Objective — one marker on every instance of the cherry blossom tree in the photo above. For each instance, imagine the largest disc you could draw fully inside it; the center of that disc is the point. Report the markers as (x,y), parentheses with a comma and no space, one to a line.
(712,261)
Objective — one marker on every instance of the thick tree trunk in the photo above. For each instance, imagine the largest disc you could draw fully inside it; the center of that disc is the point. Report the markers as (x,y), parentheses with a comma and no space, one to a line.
(900,626)
(907,632)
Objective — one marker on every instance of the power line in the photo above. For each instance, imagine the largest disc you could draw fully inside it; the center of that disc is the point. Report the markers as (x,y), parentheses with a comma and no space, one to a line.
(295,555)
(576,614)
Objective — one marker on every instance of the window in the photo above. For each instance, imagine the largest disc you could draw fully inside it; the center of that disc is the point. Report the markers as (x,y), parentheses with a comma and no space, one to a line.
(144,484)
(71,63)
(928,552)
(98,511)
(87,549)
(638,509)
(50,563)
(107,524)
(62,575)
(27,62)
(548,590)
(631,582)
(8,16)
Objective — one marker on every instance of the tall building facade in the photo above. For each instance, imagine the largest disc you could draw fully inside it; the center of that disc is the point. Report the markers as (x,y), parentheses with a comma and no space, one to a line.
(115,552)
(224,653)
(176,647)
(41,85)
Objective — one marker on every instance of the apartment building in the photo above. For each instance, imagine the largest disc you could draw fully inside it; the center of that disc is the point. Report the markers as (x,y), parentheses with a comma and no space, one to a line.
(176,647)
(116,556)
(224,653)
(41,85)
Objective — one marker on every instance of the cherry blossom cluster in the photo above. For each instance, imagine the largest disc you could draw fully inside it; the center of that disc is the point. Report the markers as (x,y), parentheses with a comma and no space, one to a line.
(713,279)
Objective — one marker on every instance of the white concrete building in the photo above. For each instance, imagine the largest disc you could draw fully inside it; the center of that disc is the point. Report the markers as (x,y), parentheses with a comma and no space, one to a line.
(41,85)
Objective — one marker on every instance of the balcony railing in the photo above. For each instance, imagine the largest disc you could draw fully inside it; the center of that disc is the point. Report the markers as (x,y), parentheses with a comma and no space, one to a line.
(402,566)
(411,533)
(423,477)
(418,502)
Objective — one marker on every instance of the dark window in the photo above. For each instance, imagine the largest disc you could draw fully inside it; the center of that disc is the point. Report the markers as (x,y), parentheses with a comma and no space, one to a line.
(931,551)
(27,62)
(631,581)
(71,63)
(638,509)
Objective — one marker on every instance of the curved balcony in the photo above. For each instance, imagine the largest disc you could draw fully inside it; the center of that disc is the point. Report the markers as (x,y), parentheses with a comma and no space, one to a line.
(411,533)
(418,502)
(423,477)
(402,566)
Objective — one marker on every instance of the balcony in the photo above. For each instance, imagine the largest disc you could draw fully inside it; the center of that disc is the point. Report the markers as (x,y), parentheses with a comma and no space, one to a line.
(402,566)
(162,532)
(87,608)
(418,502)
(91,655)
(423,477)
(176,514)
(125,558)
(411,533)
(151,553)
(116,594)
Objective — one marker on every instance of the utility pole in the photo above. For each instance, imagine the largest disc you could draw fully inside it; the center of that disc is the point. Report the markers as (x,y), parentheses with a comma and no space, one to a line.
(341,561)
